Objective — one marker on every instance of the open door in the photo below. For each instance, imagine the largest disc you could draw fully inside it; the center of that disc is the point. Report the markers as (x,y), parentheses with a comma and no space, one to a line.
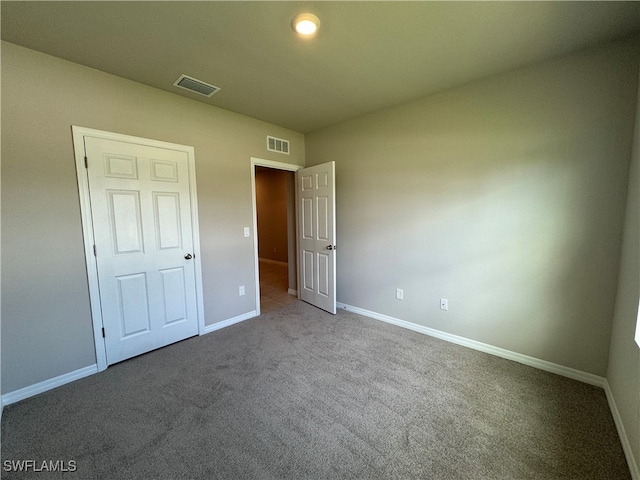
(315,193)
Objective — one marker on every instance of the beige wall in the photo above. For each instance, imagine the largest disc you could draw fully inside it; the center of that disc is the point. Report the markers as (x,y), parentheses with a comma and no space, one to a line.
(505,196)
(271,203)
(46,323)
(623,373)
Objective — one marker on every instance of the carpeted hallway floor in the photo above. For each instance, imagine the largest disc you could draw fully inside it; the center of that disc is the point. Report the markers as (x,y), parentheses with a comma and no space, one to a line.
(301,394)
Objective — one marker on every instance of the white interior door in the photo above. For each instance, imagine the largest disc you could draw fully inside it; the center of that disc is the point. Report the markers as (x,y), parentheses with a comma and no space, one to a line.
(315,191)
(144,245)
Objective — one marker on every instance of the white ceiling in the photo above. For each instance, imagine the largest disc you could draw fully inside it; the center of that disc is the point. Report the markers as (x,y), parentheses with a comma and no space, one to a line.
(366,56)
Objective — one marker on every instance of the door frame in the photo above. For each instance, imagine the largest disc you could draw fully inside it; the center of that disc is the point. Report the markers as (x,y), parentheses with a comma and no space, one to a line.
(260,162)
(79,133)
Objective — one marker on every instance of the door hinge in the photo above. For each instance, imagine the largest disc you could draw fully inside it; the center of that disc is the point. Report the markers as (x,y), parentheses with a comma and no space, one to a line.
(103,335)
(95,251)
(86,162)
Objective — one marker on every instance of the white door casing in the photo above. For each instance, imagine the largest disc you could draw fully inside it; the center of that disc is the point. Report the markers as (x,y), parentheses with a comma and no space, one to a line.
(315,192)
(139,210)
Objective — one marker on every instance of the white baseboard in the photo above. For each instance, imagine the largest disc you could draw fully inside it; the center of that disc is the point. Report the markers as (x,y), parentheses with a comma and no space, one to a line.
(230,321)
(293,292)
(632,462)
(484,347)
(35,389)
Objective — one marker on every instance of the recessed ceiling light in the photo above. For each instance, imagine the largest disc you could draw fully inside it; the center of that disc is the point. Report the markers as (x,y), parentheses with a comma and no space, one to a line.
(305,24)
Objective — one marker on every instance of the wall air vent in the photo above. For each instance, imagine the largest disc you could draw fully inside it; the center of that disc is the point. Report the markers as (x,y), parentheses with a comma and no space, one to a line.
(277,145)
(196,86)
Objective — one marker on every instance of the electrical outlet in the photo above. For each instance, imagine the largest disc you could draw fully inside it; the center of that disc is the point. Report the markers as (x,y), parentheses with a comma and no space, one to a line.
(241,290)
(444,304)
(399,294)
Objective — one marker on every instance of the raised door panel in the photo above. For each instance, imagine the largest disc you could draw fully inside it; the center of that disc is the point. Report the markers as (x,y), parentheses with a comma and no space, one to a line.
(306,219)
(133,303)
(322,228)
(120,166)
(308,276)
(322,180)
(306,183)
(167,220)
(164,171)
(174,295)
(126,222)
(323,274)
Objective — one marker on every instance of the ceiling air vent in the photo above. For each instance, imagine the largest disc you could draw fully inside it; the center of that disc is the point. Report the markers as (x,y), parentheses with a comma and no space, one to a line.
(277,145)
(196,86)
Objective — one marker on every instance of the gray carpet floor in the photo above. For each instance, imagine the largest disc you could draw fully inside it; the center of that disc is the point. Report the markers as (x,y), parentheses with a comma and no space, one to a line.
(301,394)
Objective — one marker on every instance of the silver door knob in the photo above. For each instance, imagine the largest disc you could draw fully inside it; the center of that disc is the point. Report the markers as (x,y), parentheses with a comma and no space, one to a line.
(188,256)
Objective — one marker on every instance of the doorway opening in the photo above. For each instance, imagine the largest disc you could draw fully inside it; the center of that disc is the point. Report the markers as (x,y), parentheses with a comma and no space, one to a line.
(275,233)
